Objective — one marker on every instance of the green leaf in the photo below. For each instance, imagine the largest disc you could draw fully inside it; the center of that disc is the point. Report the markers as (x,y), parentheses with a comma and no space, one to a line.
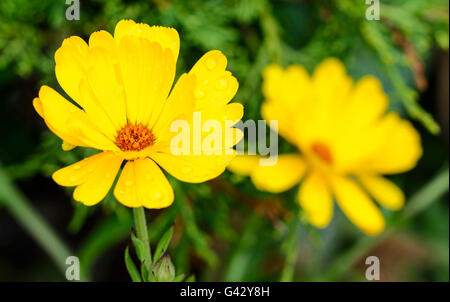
(144,273)
(139,246)
(131,268)
(151,278)
(191,278)
(163,244)
(179,278)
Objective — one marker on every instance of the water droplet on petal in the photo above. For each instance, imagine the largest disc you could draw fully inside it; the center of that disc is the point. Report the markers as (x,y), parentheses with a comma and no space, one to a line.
(129,183)
(157,195)
(211,64)
(76,167)
(222,84)
(187,169)
(199,93)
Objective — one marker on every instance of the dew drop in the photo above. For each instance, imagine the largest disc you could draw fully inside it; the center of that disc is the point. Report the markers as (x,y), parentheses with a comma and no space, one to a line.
(129,183)
(222,84)
(199,93)
(157,195)
(211,64)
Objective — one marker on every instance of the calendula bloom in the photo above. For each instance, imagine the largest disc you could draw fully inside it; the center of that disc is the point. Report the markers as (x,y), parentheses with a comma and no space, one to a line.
(346,140)
(122,85)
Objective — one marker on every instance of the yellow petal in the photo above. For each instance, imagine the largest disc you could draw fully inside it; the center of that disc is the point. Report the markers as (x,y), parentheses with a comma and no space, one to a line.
(71,66)
(67,146)
(167,37)
(287,93)
(147,72)
(215,85)
(357,206)
(142,183)
(271,111)
(331,82)
(102,39)
(102,91)
(77,63)
(37,104)
(315,198)
(93,177)
(69,122)
(123,28)
(368,102)
(244,164)
(385,192)
(401,146)
(193,168)
(286,87)
(179,106)
(287,172)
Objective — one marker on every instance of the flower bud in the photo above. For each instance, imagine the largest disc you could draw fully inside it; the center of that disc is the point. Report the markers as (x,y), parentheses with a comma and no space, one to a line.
(164,271)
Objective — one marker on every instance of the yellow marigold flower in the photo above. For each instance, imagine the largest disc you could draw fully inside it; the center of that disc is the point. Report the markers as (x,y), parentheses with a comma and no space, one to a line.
(346,139)
(123,85)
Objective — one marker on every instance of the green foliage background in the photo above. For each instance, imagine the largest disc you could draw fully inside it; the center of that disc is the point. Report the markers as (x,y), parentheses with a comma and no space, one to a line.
(225,229)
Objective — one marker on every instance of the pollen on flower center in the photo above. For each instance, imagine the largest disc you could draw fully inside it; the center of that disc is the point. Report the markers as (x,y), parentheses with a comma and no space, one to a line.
(323,152)
(134,138)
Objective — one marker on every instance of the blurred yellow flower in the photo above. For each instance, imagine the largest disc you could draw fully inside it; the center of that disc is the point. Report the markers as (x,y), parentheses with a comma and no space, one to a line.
(346,139)
(123,85)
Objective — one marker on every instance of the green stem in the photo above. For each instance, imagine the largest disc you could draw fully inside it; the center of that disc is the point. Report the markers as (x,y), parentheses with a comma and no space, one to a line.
(292,252)
(33,223)
(142,234)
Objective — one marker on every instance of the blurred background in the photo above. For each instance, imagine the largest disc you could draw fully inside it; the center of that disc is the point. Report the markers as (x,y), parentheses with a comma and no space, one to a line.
(225,230)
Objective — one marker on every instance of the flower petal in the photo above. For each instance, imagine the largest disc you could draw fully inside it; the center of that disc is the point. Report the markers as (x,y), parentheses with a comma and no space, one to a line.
(384,191)
(93,177)
(400,148)
(69,122)
(102,90)
(315,198)
(77,64)
(215,85)
(71,66)
(179,106)
(193,168)
(286,92)
(358,207)
(147,72)
(283,175)
(142,183)
(244,164)
(368,102)
(167,37)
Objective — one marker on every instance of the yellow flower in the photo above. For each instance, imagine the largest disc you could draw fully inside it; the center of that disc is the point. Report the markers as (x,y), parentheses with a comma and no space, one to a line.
(346,139)
(123,85)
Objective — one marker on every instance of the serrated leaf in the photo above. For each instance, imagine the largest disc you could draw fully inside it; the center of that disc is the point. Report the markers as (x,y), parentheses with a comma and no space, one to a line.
(131,267)
(139,246)
(163,244)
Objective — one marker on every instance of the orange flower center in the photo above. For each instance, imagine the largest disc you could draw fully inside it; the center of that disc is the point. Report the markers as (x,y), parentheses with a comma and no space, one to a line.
(134,138)
(323,152)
